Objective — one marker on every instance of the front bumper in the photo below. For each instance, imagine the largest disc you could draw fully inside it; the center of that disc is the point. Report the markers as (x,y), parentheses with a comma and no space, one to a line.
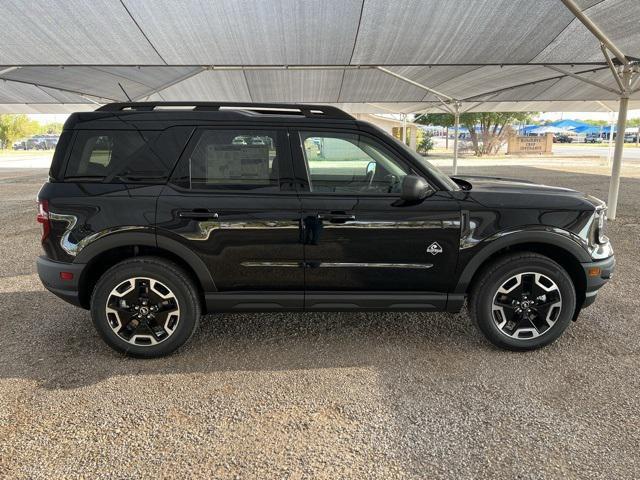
(49,273)
(594,283)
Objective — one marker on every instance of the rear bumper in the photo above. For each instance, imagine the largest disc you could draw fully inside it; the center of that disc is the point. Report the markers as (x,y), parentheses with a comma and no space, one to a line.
(49,273)
(594,283)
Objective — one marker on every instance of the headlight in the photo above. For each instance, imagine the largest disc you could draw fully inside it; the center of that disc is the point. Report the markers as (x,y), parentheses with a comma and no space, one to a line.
(602,223)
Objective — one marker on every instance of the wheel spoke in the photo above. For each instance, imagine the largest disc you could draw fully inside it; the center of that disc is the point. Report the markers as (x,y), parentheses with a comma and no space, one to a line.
(166,306)
(120,305)
(527,284)
(158,331)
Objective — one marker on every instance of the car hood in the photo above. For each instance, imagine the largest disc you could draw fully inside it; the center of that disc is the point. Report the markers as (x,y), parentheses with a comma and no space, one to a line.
(515,193)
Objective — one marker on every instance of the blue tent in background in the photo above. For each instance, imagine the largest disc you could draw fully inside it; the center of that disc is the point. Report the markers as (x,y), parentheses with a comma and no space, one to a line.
(588,129)
(569,124)
(542,129)
(526,130)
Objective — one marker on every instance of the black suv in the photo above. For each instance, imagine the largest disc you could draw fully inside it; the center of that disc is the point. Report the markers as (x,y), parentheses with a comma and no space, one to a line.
(156,213)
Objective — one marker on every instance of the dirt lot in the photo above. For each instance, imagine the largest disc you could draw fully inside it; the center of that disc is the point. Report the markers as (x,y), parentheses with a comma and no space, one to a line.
(318,395)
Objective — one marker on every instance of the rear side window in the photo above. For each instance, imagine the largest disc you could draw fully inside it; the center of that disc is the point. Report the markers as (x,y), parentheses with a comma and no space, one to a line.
(125,155)
(237,159)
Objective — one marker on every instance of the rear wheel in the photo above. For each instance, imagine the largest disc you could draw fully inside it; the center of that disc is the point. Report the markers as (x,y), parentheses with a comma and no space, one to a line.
(145,307)
(522,301)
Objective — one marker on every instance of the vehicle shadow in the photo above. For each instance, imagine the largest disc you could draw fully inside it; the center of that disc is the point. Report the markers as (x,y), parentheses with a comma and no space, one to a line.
(59,349)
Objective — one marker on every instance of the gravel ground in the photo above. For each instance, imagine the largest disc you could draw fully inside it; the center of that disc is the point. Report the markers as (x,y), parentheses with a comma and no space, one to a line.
(359,395)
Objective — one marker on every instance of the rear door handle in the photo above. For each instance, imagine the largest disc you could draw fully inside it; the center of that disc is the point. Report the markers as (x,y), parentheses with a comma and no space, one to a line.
(198,213)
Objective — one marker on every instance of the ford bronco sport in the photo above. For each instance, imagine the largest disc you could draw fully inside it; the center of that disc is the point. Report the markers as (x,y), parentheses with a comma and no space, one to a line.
(156,213)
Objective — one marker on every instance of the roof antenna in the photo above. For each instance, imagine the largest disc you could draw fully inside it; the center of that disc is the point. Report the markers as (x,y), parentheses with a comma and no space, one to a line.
(125,92)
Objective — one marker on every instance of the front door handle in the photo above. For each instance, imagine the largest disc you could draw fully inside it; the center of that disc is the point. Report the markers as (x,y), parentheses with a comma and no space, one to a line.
(337,217)
(199,214)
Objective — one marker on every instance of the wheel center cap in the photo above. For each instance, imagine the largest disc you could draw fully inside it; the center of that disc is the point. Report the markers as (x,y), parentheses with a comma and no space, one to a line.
(144,310)
(527,303)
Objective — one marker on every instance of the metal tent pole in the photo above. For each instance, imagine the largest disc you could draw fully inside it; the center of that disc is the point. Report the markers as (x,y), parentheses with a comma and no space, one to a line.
(456,107)
(404,127)
(612,117)
(614,185)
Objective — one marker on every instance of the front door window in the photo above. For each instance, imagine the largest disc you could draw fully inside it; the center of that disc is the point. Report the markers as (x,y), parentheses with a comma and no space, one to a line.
(350,164)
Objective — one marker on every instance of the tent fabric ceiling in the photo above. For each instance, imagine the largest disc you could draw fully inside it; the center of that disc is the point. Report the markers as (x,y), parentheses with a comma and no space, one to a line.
(485,53)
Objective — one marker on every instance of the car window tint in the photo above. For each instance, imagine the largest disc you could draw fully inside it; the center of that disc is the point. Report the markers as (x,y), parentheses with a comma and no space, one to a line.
(234,160)
(117,156)
(350,163)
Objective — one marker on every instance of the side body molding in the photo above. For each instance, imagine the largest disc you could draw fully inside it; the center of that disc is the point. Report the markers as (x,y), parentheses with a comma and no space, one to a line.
(482,251)
(147,237)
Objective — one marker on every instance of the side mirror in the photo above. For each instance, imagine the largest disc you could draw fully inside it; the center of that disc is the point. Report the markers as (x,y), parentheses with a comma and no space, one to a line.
(414,189)
(371,169)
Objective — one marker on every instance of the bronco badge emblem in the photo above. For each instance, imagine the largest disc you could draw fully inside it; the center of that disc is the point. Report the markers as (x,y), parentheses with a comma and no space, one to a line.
(434,248)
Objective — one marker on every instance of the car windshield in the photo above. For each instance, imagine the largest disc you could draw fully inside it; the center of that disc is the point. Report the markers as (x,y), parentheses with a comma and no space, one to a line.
(435,171)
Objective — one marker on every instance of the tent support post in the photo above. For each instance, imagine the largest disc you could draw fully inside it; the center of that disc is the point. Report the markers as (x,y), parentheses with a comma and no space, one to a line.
(612,116)
(456,122)
(404,127)
(614,185)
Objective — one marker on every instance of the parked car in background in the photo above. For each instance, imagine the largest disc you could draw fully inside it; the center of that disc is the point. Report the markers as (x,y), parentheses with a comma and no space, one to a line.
(630,137)
(37,142)
(562,138)
(593,138)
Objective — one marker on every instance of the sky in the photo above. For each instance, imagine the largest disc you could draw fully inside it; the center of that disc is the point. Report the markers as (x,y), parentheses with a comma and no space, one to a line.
(49,117)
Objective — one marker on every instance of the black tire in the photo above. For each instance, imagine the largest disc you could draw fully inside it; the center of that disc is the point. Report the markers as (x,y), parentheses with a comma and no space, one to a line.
(174,278)
(494,276)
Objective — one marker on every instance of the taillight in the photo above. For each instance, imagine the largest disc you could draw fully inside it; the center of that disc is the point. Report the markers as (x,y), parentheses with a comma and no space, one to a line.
(43,218)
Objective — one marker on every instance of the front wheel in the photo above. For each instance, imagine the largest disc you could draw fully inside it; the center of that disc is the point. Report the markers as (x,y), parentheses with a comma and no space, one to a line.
(145,307)
(522,301)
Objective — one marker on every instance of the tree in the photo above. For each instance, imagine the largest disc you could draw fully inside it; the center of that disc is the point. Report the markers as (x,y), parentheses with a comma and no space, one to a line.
(425,144)
(14,127)
(633,122)
(52,128)
(596,123)
(488,130)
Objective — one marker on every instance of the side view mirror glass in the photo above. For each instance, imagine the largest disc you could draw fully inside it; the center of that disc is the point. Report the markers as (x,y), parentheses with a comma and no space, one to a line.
(414,189)
(371,169)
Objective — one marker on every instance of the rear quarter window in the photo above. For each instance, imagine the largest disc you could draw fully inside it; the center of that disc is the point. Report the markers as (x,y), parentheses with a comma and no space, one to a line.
(125,155)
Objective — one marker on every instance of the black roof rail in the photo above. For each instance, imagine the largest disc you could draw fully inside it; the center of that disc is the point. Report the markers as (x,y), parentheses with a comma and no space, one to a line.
(309,111)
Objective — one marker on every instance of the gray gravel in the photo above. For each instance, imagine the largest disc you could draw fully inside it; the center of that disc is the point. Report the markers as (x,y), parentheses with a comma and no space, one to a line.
(360,395)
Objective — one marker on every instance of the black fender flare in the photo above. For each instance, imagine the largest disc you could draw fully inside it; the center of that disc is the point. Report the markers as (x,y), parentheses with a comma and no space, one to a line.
(557,238)
(150,239)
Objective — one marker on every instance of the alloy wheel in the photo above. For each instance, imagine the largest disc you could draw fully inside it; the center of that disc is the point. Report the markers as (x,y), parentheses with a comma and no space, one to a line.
(526,305)
(142,311)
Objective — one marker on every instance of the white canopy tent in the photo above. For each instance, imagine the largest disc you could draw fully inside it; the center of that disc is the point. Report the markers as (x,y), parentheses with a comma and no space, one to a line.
(367,56)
